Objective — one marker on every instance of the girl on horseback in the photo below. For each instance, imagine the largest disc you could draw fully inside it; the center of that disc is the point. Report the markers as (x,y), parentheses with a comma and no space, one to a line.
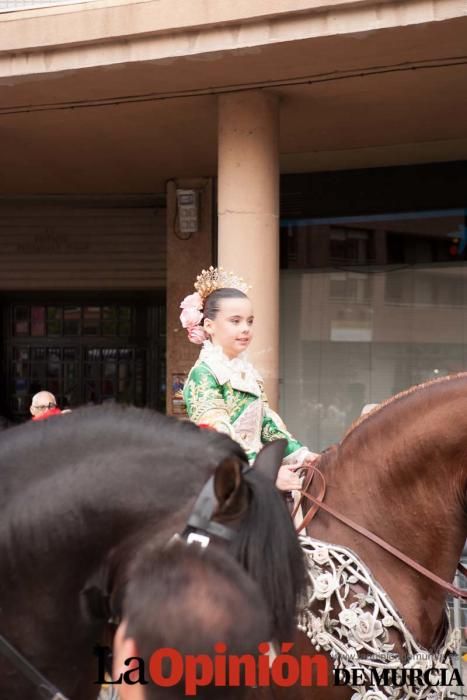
(223,390)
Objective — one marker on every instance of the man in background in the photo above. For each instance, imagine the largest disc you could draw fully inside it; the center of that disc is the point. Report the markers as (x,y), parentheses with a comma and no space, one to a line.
(44,406)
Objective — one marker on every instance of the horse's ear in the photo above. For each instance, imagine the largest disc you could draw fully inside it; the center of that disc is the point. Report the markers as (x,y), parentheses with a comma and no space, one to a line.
(270,458)
(228,482)
(94,596)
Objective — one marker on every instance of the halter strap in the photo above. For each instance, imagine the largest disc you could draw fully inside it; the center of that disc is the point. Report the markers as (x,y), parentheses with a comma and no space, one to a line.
(203,511)
(318,503)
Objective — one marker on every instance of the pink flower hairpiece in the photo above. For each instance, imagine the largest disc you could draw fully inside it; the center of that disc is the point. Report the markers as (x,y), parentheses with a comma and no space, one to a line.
(191,318)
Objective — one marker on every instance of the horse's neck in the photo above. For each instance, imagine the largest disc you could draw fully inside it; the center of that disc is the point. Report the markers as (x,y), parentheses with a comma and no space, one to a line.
(94,508)
(403,495)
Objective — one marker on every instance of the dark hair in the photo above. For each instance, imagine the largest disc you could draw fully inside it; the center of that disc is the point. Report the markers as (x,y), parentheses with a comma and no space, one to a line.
(189,599)
(212,302)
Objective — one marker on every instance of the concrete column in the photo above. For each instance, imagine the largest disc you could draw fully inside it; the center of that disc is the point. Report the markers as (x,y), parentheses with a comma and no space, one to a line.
(248,208)
(187,255)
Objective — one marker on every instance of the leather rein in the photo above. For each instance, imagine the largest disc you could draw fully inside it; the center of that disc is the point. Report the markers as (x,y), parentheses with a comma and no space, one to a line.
(318,503)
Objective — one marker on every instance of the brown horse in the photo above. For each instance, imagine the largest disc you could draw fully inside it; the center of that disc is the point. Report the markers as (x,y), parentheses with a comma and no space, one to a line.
(401,472)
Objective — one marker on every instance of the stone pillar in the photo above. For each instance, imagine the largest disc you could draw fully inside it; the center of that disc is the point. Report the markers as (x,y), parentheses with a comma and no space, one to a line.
(187,255)
(248,208)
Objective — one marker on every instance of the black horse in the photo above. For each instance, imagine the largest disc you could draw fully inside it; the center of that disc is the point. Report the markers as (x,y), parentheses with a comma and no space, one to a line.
(80,493)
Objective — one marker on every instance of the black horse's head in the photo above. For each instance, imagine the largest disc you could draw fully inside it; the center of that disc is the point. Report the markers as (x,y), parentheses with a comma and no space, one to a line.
(242,506)
(239,509)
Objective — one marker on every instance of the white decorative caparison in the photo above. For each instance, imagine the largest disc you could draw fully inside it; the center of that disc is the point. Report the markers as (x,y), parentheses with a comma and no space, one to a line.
(355,630)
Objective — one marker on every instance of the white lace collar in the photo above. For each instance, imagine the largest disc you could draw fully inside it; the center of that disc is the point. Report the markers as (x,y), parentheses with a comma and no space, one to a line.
(239,371)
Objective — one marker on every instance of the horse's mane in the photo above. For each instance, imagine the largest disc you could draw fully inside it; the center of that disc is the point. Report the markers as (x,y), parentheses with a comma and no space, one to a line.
(418,388)
(401,438)
(281,576)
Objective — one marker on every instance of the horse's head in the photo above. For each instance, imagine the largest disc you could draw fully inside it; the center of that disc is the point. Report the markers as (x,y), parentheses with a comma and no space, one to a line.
(242,506)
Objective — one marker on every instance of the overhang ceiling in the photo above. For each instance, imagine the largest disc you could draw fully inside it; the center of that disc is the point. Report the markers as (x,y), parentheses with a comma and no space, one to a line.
(363,100)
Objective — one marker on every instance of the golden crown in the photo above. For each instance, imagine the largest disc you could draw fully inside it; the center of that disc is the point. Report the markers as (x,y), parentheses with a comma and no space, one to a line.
(217,278)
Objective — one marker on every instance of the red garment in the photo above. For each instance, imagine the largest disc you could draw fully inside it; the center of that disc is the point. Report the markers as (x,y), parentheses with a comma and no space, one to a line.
(47,414)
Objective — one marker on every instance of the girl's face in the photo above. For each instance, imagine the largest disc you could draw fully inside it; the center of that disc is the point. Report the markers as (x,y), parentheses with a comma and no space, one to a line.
(232,328)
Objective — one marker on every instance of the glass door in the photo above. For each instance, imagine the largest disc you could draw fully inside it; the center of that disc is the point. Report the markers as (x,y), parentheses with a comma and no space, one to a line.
(83,354)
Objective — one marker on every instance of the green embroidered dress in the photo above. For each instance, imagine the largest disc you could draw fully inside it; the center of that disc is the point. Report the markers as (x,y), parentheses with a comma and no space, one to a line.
(228,395)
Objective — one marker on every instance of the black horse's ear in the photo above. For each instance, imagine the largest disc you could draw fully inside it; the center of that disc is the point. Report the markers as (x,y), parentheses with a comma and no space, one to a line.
(228,483)
(270,458)
(94,597)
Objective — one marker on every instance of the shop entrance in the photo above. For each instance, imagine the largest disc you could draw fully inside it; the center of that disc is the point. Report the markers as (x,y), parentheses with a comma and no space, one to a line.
(102,350)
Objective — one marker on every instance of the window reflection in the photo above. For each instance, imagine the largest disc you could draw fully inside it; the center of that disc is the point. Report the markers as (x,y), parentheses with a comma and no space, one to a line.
(21,320)
(54,320)
(359,333)
(71,320)
(91,320)
(38,320)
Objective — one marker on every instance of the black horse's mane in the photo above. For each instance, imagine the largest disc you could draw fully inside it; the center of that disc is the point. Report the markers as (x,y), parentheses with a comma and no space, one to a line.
(281,576)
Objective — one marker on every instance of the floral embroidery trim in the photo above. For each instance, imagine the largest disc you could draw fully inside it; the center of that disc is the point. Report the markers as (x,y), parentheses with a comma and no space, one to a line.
(354,628)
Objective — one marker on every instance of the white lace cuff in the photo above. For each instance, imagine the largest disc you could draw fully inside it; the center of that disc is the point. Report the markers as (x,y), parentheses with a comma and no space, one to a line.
(297,457)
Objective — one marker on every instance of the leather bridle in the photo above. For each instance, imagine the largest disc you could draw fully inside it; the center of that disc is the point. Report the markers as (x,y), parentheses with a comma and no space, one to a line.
(318,503)
(200,526)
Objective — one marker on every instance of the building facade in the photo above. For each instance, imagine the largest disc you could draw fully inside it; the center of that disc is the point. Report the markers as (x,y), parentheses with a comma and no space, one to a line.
(325,145)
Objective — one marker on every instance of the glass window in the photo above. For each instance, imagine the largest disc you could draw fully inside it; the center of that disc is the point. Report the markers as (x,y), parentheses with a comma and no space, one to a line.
(72,320)
(91,320)
(21,354)
(38,372)
(60,357)
(109,320)
(140,377)
(54,320)
(92,367)
(21,320)
(38,320)
(394,315)
(53,363)
(91,392)
(350,245)
(109,369)
(124,320)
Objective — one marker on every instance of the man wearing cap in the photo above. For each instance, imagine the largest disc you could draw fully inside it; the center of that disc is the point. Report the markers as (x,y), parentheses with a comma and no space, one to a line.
(43,406)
